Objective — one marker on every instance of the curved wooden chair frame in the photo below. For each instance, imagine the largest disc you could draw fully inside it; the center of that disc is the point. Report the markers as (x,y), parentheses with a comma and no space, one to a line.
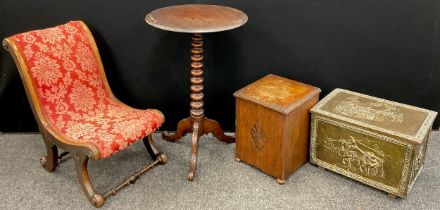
(81,152)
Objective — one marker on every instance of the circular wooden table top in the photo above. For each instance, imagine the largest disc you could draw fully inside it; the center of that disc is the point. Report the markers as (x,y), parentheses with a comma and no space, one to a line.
(196,18)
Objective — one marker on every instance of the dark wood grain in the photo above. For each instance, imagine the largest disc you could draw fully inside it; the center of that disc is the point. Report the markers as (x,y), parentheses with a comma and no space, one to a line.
(196,18)
(197,123)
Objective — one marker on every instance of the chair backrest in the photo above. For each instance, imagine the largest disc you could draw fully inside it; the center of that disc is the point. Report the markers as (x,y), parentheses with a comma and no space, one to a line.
(64,69)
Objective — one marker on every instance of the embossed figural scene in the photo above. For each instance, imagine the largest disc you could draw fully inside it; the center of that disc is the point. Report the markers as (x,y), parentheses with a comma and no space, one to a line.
(374,141)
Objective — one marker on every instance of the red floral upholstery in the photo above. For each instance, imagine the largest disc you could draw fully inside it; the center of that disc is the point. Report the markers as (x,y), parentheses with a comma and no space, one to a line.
(72,92)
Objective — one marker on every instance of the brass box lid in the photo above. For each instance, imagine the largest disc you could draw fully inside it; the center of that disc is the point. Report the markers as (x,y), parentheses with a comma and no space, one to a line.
(277,93)
(405,121)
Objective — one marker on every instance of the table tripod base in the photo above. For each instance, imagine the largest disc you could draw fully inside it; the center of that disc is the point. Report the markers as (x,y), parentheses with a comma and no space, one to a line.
(197,123)
(197,128)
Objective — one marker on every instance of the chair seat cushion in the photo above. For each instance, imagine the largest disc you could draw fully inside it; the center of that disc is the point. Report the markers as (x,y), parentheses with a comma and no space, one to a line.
(112,128)
(69,81)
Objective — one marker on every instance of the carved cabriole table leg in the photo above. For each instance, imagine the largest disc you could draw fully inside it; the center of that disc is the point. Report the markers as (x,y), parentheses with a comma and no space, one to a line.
(183,127)
(197,123)
(212,126)
(194,148)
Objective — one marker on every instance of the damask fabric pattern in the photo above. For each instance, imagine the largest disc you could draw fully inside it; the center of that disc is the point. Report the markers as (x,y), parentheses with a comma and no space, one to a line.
(72,94)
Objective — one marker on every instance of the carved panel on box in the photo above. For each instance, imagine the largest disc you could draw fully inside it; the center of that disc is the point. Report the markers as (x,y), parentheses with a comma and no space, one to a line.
(272,124)
(356,156)
(375,141)
(258,138)
(374,111)
(419,159)
(418,163)
(395,159)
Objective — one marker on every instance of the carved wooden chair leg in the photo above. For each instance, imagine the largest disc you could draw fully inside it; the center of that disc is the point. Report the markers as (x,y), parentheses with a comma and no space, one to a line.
(183,127)
(195,137)
(150,146)
(50,161)
(153,151)
(81,161)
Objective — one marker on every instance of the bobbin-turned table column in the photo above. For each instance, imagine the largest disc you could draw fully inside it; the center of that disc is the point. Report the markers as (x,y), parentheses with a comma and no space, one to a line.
(196,19)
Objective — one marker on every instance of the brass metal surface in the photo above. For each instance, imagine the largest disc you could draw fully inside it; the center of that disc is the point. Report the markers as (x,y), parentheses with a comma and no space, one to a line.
(374,141)
(360,153)
(196,18)
(394,118)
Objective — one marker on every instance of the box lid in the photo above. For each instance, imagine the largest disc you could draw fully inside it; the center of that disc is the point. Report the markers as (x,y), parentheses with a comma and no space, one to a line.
(390,117)
(277,93)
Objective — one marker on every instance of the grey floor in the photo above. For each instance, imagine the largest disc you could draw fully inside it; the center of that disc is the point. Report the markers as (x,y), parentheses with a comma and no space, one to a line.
(221,183)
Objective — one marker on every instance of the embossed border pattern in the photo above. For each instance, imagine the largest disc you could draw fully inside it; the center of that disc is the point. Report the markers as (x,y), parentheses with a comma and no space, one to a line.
(418,137)
(409,148)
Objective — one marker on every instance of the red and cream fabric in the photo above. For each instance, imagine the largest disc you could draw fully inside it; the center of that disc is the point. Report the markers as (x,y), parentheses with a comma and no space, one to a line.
(72,94)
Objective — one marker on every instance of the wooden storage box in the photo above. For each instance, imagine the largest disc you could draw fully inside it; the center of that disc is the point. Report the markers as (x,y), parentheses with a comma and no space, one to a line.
(272,124)
(374,141)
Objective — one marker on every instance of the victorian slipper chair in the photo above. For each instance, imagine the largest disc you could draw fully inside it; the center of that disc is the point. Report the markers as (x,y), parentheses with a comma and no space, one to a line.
(76,111)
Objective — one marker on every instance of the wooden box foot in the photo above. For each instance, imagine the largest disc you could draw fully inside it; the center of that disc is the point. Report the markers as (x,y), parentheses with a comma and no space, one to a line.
(281,181)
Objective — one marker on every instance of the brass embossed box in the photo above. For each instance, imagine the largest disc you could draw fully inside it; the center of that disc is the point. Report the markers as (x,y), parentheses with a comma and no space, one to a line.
(374,141)
(272,124)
